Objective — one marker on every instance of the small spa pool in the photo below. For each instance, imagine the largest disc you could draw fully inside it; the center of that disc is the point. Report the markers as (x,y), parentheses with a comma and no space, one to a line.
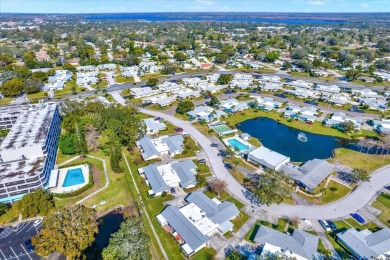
(237,144)
(73,177)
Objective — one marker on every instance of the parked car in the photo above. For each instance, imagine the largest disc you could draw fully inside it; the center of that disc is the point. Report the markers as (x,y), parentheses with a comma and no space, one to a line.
(173,191)
(332,225)
(37,222)
(358,218)
(19,227)
(202,161)
(214,145)
(325,225)
(179,129)
(29,246)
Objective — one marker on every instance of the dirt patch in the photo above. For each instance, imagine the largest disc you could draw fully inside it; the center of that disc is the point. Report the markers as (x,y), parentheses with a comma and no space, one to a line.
(96,175)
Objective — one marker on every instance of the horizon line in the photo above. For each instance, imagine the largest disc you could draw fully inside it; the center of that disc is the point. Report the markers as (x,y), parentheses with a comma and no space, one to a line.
(204,12)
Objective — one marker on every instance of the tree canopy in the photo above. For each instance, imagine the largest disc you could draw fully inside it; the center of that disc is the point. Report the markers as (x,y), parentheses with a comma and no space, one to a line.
(185,107)
(37,203)
(129,242)
(68,230)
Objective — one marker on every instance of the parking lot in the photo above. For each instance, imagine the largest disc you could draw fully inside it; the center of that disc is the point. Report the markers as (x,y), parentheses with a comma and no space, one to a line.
(12,243)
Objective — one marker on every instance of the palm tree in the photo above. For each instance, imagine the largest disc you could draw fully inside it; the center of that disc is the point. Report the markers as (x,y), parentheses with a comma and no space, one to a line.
(235,162)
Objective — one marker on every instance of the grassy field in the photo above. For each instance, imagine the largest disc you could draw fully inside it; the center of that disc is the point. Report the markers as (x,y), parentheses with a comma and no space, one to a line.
(340,192)
(353,159)
(384,199)
(316,128)
(37,96)
(370,225)
(190,148)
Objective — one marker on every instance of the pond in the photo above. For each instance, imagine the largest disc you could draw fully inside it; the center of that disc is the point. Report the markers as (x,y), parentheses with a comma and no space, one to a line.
(284,139)
(108,224)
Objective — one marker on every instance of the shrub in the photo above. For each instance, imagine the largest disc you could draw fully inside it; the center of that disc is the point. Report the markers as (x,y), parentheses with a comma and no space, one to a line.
(333,189)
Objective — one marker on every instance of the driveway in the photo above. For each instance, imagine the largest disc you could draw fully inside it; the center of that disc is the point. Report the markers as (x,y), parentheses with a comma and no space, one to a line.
(352,203)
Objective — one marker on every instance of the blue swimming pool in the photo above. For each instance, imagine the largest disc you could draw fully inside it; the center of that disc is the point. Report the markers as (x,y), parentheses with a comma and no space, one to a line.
(73,177)
(237,144)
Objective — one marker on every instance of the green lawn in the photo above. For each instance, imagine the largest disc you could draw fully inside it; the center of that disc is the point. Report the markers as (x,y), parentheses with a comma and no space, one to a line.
(190,148)
(353,159)
(239,221)
(182,117)
(5,101)
(280,227)
(330,196)
(37,96)
(121,79)
(384,199)
(67,89)
(384,217)
(370,225)
(204,254)
(202,167)
(12,215)
(118,192)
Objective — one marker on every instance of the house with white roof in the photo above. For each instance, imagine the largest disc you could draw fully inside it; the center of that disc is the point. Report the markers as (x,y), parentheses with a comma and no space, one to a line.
(154,126)
(162,100)
(241,81)
(365,93)
(143,92)
(340,117)
(86,68)
(204,113)
(168,86)
(87,78)
(374,104)
(339,99)
(129,72)
(269,79)
(266,158)
(58,80)
(301,93)
(213,77)
(267,103)
(308,114)
(270,86)
(333,89)
(186,93)
(110,66)
(300,84)
(232,105)
(210,87)
(382,126)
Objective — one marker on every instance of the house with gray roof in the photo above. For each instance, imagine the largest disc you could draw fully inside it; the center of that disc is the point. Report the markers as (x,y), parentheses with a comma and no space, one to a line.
(190,238)
(219,212)
(367,245)
(154,126)
(193,224)
(300,245)
(165,145)
(309,175)
(171,175)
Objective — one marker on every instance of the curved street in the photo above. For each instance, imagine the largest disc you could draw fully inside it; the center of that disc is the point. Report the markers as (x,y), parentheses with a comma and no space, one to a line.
(356,200)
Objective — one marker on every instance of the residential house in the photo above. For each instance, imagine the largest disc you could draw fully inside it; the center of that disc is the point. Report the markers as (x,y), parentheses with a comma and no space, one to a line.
(193,224)
(300,84)
(57,81)
(87,78)
(165,145)
(213,78)
(266,158)
(270,86)
(162,100)
(340,117)
(309,175)
(382,126)
(154,126)
(365,93)
(366,245)
(143,92)
(332,89)
(169,86)
(162,178)
(110,66)
(308,114)
(374,104)
(233,105)
(300,245)
(86,68)
(186,93)
(267,103)
(207,114)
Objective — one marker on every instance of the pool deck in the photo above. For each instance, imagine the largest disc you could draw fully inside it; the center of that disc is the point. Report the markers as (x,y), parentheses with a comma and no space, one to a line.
(226,142)
(61,178)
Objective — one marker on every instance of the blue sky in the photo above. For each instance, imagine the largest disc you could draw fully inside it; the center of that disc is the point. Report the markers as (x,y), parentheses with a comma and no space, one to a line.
(110,6)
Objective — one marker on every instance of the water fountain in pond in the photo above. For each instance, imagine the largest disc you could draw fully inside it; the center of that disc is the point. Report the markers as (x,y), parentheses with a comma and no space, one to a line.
(302,137)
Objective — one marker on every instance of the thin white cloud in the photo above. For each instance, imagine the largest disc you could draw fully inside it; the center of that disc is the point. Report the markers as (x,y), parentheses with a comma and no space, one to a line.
(316,2)
(364,5)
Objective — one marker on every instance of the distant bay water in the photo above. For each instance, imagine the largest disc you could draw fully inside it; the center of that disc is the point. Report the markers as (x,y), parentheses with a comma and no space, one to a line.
(160,17)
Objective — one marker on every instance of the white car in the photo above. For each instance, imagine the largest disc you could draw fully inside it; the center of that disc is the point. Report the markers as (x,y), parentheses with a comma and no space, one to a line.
(37,222)
(325,225)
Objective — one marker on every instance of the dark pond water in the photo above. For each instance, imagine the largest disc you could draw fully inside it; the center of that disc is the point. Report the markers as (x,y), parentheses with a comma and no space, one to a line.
(108,225)
(284,139)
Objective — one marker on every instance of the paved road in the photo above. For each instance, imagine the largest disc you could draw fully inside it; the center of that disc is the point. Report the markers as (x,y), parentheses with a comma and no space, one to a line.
(352,203)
